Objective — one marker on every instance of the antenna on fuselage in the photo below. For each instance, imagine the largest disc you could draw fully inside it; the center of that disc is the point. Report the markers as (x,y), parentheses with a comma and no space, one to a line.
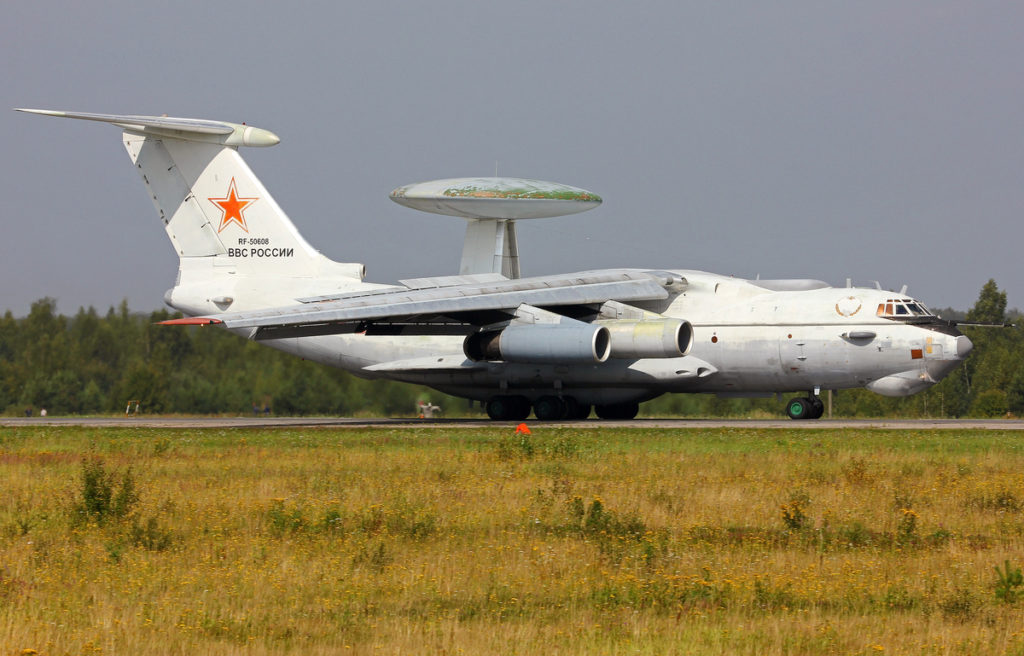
(903,290)
(492,206)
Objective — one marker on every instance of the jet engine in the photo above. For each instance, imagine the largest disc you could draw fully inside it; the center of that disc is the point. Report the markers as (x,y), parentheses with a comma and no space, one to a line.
(557,343)
(661,338)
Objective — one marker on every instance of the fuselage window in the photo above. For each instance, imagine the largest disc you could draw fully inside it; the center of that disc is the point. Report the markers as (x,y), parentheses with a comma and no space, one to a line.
(902,309)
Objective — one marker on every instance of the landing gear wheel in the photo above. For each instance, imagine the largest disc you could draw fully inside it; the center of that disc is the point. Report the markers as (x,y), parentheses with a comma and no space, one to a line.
(617,410)
(522,408)
(500,408)
(575,409)
(800,408)
(550,408)
(818,408)
(504,408)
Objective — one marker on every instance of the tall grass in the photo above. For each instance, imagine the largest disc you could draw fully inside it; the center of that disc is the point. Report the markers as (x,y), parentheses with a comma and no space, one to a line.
(570,541)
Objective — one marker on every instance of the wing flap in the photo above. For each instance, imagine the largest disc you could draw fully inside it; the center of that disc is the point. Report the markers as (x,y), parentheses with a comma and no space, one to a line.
(432,363)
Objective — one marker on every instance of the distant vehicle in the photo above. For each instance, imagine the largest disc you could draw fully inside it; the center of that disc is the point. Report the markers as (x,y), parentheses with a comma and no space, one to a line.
(557,344)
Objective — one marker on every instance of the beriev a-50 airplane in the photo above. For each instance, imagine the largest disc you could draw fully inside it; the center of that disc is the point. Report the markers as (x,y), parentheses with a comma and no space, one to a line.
(557,345)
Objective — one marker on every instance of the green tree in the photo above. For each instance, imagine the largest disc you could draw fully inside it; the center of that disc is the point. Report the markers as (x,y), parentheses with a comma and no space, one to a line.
(990,306)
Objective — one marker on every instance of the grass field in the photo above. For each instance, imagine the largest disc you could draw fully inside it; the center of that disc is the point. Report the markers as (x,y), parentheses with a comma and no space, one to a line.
(477,541)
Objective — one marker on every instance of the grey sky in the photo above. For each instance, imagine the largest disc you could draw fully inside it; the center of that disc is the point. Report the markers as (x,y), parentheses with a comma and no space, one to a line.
(871,140)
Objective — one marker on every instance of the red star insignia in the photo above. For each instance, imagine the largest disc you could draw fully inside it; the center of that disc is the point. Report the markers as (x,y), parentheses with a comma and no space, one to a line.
(232,206)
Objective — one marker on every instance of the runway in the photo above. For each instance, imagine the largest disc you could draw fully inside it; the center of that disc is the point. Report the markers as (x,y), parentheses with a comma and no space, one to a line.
(410,423)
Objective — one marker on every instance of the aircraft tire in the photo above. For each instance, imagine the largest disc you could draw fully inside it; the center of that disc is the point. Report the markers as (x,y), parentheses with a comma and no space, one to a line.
(800,408)
(576,410)
(521,408)
(505,408)
(817,408)
(617,410)
(499,408)
(550,408)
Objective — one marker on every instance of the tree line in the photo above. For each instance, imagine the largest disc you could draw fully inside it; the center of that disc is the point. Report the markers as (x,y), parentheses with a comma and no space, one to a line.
(95,364)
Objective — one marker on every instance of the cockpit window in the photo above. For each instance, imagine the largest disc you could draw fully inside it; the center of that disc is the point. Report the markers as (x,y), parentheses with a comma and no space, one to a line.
(902,307)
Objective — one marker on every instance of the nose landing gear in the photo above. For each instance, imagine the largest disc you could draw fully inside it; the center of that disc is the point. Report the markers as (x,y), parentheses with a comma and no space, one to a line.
(810,407)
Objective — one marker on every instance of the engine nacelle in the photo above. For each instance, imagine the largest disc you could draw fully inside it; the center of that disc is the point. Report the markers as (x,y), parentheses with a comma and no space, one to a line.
(659,338)
(557,342)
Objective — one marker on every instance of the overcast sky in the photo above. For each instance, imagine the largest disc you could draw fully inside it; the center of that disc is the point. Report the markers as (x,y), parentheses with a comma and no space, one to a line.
(866,140)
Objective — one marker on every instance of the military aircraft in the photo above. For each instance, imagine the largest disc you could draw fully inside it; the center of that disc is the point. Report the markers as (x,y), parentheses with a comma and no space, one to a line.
(557,345)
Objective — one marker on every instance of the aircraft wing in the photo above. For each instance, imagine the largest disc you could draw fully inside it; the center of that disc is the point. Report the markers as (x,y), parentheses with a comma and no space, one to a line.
(427,309)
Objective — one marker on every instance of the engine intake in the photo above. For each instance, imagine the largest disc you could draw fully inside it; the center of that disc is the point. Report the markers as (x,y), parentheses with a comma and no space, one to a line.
(556,343)
(661,338)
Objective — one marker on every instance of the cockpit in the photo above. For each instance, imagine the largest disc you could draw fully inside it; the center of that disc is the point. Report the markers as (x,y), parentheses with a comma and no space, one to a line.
(902,308)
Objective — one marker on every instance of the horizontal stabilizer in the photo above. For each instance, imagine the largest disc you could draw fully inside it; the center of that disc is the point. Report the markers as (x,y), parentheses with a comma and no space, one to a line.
(188,129)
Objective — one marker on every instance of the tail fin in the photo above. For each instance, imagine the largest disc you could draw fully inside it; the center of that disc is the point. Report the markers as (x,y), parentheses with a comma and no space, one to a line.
(217,213)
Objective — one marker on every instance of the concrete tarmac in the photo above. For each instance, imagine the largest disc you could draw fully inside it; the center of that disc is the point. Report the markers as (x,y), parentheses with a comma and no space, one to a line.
(399,423)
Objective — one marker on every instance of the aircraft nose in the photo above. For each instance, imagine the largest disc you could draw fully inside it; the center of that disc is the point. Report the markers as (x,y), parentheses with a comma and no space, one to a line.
(963,346)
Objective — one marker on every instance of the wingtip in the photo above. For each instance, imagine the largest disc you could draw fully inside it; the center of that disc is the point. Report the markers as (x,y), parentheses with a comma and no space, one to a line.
(44,112)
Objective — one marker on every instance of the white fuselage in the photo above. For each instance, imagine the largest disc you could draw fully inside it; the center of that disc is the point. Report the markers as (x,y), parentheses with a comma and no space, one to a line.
(747,341)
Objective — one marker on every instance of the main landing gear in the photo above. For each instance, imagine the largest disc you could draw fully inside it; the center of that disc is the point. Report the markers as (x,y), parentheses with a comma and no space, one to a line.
(809,407)
(505,408)
(554,408)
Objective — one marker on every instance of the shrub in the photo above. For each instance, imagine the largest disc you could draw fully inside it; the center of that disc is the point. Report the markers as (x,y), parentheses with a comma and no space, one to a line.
(150,535)
(990,403)
(1008,580)
(103,496)
(906,529)
(284,520)
(961,605)
(794,514)
(514,447)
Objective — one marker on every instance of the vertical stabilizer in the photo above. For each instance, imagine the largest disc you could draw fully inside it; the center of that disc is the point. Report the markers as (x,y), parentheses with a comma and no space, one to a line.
(236,246)
(212,204)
